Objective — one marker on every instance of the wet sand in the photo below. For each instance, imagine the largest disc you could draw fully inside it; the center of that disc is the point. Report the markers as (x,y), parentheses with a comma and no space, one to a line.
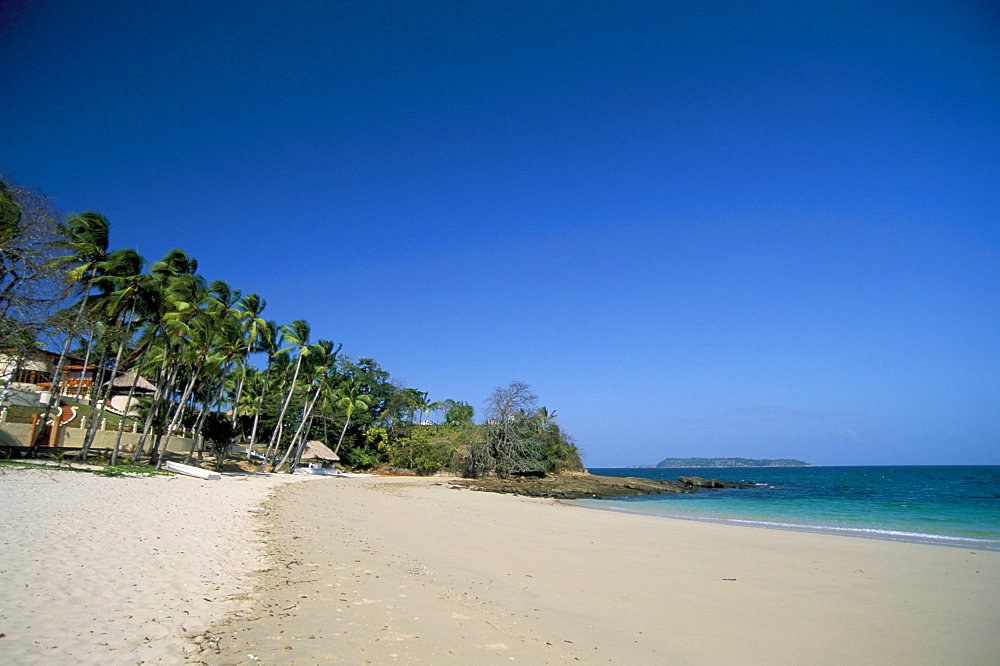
(395,570)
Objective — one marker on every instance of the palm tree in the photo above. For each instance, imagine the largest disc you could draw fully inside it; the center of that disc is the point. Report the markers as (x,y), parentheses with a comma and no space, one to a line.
(424,404)
(251,307)
(267,341)
(162,332)
(119,281)
(296,335)
(228,346)
(323,359)
(187,344)
(86,237)
(349,398)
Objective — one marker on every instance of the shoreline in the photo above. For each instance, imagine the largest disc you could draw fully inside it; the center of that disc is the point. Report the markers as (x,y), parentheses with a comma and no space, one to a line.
(398,570)
(896,536)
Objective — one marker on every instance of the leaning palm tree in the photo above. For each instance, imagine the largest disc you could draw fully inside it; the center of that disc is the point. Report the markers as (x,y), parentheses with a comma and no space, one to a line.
(119,281)
(251,307)
(226,343)
(323,358)
(267,342)
(349,398)
(296,335)
(164,332)
(86,239)
(189,343)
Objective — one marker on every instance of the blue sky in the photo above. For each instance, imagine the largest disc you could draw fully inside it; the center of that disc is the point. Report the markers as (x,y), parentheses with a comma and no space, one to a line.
(694,228)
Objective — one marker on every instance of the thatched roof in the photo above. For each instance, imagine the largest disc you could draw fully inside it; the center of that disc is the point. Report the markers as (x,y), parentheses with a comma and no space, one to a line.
(125,380)
(319,451)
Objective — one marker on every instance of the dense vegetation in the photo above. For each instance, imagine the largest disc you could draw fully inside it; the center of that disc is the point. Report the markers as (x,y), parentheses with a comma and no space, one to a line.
(224,372)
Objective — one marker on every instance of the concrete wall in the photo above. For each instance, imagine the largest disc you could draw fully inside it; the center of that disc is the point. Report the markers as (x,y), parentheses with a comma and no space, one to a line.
(16,434)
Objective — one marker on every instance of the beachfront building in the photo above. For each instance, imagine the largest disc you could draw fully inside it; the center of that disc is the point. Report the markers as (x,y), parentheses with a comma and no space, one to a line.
(24,374)
(29,373)
(26,370)
(32,371)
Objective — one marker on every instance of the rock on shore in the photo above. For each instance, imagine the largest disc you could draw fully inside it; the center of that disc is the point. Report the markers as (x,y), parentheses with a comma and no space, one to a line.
(592,486)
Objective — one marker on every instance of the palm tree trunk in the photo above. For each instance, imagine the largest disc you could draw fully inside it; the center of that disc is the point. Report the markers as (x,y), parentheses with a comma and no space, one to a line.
(95,413)
(236,398)
(276,435)
(178,413)
(342,432)
(260,404)
(306,416)
(96,404)
(86,362)
(205,409)
(128,405)
(164,382)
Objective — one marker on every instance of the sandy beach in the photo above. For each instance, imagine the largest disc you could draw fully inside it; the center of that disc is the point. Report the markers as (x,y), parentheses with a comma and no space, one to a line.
(121,570)
(377,570)
(411,571)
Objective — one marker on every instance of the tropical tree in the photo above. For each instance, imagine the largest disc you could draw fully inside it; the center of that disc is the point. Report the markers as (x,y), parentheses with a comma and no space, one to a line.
(169,289)
(350,399)
(268,337)
(250,307)
(296,335)
(116,305)
(323,359)
(86,240)
(190,343)
(10,228)
(424,405)
(458,412)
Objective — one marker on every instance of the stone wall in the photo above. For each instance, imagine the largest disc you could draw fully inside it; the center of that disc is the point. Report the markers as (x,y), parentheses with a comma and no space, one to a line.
(16,434)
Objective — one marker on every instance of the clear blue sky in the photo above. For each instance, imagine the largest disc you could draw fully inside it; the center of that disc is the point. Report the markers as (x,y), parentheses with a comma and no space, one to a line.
(765,229)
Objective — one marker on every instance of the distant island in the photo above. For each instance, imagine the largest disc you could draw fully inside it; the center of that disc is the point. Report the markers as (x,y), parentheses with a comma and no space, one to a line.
(726,462)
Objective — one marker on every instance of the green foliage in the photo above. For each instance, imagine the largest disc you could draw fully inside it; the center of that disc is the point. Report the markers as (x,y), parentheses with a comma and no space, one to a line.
(427,449)
(519,438)
(458,412)
(58,457)
(356,454)
(218,430)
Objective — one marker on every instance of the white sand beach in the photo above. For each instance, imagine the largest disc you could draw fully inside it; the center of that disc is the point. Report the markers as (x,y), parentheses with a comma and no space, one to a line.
(410,571)
(120,570)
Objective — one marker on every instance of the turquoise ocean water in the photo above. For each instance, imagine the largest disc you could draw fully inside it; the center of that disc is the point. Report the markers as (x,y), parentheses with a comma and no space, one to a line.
(946,505)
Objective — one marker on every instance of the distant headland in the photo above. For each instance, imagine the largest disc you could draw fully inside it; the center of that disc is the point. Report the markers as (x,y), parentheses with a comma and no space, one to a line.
(725,462)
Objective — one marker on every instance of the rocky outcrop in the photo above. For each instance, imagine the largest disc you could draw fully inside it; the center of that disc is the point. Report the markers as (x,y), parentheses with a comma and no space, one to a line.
(699,482)
(591,486)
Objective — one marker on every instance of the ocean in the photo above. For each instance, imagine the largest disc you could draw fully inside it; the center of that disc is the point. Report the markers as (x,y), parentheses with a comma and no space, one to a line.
(945,505)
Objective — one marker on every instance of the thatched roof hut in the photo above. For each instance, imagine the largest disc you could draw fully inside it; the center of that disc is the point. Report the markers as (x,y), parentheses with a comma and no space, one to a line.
(124,382)
(316,450)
